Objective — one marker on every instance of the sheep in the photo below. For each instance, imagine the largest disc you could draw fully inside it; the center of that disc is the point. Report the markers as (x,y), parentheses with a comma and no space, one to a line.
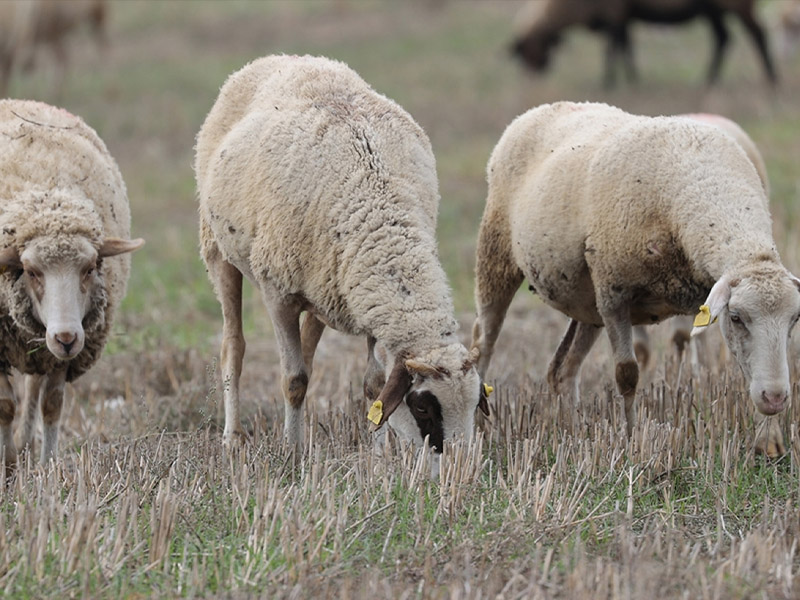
(323,193)
(64,264)
(26,24)
(540,24)
(619,220)
(682,325)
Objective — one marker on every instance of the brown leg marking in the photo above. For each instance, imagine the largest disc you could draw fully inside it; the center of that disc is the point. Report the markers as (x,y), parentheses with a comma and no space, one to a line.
(7,410)
(627,377)
(294,389)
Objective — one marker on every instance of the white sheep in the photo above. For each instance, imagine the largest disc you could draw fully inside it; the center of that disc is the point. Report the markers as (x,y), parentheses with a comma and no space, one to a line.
(682,325)
(323,193)
(63,215)
(619,220)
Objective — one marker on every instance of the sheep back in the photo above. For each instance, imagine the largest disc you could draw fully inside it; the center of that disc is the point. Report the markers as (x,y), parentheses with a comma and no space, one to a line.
(57,180)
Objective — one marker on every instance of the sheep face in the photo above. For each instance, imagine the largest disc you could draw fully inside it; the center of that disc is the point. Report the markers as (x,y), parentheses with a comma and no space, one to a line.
(757,312)
(61,278)
(434,395)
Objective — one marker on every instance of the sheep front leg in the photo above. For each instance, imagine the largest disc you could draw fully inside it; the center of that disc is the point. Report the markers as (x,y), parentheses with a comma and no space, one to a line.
(51,399)
(285,315)
(497,278)
(563,374)
(620,334)
(769,437)
(227,281)
(30,405)
(8,407)
(375,377)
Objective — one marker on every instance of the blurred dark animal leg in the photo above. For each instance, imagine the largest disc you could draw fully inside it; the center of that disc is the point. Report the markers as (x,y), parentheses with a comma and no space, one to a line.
(721,38)
(759,38)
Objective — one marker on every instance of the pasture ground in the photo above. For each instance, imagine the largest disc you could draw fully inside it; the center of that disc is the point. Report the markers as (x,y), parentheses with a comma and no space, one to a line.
(549,503)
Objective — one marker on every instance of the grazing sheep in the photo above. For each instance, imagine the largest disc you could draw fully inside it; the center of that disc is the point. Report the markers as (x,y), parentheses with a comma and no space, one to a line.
(28,24)
(619,220)
(323,193)
(682,325)
(63,216)
(541,24)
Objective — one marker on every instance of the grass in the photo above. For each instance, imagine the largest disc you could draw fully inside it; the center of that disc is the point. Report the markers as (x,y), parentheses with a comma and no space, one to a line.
(550,502)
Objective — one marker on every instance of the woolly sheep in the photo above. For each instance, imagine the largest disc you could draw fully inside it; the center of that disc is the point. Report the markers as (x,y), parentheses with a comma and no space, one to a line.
(540,24)
(619,220)
(682,325)
(323,193)
(63,215)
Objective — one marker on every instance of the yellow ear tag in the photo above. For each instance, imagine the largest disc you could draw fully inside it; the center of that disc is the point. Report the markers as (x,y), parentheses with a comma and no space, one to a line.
(375,412)
(703,318)
(487,389)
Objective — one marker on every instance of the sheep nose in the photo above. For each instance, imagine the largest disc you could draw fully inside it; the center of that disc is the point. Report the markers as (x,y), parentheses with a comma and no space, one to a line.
(773,402)
(67,340)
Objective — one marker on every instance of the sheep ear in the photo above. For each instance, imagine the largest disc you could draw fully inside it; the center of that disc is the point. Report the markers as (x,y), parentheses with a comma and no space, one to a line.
(9,258)
(424,369)
(717,300)
(115,246)
(393,392)
(795,281)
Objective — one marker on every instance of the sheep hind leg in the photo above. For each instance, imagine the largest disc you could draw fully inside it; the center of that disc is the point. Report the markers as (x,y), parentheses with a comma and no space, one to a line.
(285,316)
(620,334)
(756,32)
(721,38)
(8,407)
(51,399)
(563,374)
(641,346)
(310,334)
(30,406)
(227,281)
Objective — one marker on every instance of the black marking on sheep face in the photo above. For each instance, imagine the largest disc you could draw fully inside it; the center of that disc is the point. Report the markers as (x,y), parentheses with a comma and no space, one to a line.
(427,412)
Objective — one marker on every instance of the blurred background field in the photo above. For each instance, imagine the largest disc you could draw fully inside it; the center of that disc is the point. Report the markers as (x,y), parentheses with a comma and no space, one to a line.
(447,63)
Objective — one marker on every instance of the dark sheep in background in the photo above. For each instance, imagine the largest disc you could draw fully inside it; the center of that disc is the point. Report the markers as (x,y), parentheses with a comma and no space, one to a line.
(542,22)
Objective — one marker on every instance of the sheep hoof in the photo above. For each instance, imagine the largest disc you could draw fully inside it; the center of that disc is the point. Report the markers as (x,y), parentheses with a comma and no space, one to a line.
(771,444)
(234,440)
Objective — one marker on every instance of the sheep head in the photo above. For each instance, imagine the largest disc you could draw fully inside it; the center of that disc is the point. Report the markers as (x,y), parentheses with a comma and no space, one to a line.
(61,277)
(757,308)
(434,395)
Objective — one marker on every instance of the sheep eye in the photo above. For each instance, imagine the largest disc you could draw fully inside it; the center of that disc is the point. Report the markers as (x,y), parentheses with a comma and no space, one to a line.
(736,319)
(420,409)
(88,272)
(32,275)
